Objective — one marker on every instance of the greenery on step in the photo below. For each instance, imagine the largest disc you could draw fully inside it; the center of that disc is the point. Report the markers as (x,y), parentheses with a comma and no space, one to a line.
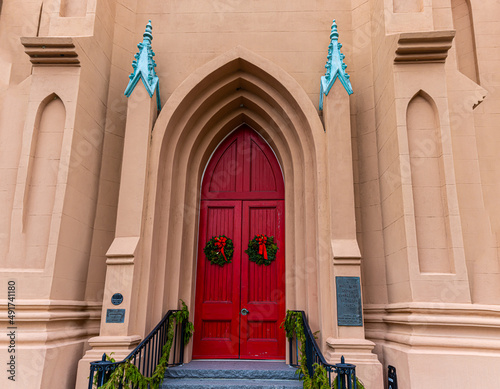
(294,325)
(129,375)
(360,385)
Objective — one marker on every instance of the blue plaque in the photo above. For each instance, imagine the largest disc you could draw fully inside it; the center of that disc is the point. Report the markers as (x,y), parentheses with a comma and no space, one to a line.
(117,299)
(115,316)
(349,311)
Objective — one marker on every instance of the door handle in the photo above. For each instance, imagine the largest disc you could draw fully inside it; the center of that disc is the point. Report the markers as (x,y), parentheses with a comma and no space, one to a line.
(245,311)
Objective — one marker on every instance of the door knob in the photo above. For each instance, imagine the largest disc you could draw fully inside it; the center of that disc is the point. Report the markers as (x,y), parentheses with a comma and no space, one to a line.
(244,311)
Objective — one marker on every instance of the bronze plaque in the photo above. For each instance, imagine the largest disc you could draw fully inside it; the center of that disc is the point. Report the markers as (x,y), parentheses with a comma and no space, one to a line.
(349,311)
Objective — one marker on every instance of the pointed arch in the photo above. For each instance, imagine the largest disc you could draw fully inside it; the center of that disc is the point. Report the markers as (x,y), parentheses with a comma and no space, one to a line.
(235,88)
(428,185)
(465,40)
(41,180)
(264,176)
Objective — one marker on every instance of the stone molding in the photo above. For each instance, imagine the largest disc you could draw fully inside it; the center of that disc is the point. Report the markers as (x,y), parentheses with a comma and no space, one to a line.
(44,310)
(48,320)
(51,51)
(115,341)
(346,251)
(352,345)
(435,325)
(123,250)
(423,47)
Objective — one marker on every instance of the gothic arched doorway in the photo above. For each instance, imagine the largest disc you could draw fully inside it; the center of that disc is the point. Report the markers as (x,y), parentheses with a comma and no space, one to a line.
(242,195)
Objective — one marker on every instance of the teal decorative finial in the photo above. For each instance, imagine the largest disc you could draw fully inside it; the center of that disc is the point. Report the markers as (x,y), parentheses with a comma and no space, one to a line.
(335,67)
(144,67)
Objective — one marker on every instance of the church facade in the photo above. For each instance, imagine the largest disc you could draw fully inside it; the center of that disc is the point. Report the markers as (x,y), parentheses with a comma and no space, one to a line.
(358,136)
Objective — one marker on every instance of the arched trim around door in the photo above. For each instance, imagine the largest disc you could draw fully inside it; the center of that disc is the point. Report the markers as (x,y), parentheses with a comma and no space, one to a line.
(238,87)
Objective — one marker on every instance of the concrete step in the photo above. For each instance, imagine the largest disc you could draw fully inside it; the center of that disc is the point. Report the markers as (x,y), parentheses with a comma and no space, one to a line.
(196,383)
(239,374)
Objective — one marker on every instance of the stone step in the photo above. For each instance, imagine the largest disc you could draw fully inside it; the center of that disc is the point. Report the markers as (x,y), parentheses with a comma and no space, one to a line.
(239,374)
(196,383)
(233,369)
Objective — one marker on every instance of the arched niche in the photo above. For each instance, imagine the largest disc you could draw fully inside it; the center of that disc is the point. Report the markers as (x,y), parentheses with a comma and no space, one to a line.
(465,41)
(428,186)
(41,180)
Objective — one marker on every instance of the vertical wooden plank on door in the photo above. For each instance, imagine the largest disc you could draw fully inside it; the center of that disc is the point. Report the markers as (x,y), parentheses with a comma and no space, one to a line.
(218,288)
(262,287)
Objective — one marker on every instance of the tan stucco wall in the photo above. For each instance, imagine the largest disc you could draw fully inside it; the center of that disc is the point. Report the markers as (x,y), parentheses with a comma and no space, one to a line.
(417,154)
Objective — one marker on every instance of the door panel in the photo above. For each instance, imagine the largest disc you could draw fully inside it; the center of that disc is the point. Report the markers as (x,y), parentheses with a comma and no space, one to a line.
(262,287)
(243,168)
(218,297)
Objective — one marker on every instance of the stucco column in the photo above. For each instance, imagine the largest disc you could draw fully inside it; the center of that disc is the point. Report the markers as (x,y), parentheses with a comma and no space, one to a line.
(424,192)
(120,326)
(348,338)
(123,265)
(119,329)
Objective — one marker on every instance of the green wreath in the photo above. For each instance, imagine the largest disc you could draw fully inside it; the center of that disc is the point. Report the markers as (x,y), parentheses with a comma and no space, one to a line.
(219,250)
(262,250)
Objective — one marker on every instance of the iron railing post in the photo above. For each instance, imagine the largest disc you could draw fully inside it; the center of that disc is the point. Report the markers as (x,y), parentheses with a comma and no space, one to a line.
(181,351)
(346,375)
(100,372)
(392,378)
(346,372)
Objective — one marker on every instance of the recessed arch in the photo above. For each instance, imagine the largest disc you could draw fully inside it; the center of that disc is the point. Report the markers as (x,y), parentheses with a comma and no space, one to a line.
(430,200)
(465,40)
(237,87)
(41,179)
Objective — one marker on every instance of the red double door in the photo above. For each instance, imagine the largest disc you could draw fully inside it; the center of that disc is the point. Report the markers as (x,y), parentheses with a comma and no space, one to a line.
(240,306)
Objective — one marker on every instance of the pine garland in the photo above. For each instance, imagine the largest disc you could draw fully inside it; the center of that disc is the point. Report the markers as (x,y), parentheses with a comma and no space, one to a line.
(360,385)
(294,324)
(129,375)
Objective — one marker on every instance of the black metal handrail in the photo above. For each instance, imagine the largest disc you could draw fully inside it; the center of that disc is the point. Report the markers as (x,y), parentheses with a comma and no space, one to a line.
(346,372)
(146,355)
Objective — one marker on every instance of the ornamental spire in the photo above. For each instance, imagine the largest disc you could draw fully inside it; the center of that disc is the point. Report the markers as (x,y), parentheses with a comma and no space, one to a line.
(335,67)
(144,67)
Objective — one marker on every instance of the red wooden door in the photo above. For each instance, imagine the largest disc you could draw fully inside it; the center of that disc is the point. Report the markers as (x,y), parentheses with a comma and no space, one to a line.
(262,287)
(242,196)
